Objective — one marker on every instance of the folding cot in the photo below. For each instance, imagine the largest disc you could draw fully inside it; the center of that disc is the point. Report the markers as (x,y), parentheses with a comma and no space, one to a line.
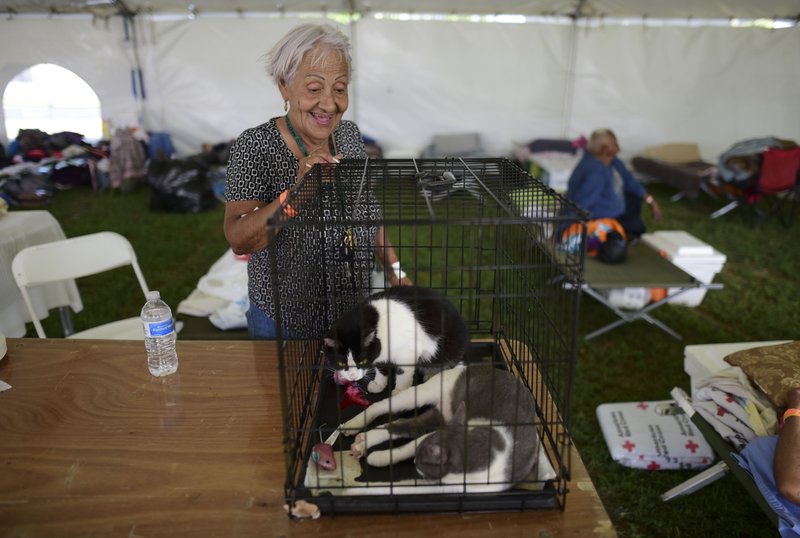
(700,362)
(644,267)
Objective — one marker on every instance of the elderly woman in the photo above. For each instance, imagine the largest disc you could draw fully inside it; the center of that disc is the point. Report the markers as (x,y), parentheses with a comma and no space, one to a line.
(311,67)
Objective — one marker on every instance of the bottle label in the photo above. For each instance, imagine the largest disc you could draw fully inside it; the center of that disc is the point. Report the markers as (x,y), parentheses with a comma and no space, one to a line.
(159,328)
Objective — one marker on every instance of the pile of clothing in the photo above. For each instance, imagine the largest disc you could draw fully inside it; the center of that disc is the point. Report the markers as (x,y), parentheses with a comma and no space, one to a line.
(38,163)
(734,408)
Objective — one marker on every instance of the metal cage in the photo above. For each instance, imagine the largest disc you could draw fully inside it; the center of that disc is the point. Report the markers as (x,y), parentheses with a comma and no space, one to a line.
(482,233)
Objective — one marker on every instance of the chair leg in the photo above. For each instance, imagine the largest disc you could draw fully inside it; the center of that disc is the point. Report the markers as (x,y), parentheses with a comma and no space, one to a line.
(67,324)
(785,216)
(725,209)
(712,474)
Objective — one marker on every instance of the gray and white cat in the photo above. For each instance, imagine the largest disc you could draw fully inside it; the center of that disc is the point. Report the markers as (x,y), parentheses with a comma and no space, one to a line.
(404,330)
(479,436)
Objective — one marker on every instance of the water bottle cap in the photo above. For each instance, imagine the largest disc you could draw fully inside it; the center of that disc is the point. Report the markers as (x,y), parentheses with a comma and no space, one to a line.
(153,295)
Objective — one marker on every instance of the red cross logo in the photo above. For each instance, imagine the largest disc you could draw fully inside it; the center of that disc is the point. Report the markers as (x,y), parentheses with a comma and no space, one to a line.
(627,445)
(730,398)
(720,411)
(653,466)
(643,406)
(692,446)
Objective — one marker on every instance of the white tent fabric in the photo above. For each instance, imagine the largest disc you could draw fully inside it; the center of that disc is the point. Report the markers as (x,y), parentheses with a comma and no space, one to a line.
(610,8)
(205,79)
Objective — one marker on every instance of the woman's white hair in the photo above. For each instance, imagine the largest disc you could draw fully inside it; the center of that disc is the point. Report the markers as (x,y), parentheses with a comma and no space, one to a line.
(288,53)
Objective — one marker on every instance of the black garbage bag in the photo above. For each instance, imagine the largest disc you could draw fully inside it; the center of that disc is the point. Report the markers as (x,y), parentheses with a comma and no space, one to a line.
(180,186)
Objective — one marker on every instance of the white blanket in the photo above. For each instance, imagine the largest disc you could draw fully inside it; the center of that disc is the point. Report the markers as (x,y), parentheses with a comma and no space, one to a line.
(221,294)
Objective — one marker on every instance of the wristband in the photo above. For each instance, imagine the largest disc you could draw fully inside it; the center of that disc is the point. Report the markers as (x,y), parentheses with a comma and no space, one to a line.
(399,273)
(287,208)
(791,412)
(648,199)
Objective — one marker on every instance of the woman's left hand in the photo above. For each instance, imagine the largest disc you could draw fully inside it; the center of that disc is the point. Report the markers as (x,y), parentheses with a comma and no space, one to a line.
(317,156)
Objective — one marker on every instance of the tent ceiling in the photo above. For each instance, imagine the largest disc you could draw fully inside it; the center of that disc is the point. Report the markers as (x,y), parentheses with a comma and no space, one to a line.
(594,8)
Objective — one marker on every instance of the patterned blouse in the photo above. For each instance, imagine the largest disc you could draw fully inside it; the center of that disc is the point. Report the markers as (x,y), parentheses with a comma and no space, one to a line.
(317,279)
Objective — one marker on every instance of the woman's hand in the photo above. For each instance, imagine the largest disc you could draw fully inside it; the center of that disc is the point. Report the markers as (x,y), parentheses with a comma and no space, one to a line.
(793,398)
(394,281)
(656,211)
(654,207)
(318,155)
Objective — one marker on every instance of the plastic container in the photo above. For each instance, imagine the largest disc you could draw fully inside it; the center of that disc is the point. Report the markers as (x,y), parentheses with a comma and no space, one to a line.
(159,336)
(698,259)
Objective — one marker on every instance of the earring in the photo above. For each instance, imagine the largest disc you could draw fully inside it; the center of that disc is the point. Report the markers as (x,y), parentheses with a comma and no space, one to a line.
(286,106)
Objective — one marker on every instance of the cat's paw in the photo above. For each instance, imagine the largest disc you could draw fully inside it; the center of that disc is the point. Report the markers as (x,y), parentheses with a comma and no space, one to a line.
(359,446)
(375,386)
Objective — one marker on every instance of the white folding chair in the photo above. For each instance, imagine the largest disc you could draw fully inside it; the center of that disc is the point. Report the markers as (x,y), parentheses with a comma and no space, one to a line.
(78,257)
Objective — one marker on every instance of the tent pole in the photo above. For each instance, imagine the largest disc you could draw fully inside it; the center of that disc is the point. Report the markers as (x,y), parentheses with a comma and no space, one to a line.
(137,76)
(569,79)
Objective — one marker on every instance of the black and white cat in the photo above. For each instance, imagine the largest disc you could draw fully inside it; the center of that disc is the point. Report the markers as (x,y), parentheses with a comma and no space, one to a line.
(404,329)
(478,436)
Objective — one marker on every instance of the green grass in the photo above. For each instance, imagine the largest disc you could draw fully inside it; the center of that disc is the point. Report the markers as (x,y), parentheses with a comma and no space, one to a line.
(634,362)
(641,362)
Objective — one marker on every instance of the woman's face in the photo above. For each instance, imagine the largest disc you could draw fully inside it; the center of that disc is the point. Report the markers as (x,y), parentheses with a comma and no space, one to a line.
(318,94)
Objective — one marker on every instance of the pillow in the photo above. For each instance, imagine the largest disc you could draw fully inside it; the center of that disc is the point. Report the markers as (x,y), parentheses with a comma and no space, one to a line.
(773,369)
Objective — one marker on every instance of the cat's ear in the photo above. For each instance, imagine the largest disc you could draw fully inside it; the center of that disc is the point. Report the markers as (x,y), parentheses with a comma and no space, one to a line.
(460,416)
(368,338)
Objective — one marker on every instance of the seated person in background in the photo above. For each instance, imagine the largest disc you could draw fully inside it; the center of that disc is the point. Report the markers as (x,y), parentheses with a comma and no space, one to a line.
(602,185)
(786,464)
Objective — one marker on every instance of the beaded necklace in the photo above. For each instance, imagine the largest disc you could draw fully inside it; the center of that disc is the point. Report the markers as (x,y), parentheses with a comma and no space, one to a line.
(302,146)
(347,246)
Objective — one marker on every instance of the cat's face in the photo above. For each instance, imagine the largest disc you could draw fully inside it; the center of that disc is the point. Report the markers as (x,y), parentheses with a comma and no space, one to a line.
(350,356)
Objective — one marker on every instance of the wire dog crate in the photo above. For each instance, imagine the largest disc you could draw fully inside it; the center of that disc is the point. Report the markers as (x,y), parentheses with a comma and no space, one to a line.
(480,232)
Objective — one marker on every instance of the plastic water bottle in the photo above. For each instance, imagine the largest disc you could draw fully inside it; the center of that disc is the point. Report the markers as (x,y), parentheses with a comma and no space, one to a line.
(159,336)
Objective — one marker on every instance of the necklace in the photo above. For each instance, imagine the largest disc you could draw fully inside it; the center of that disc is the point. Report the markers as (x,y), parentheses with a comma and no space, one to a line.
(301,145)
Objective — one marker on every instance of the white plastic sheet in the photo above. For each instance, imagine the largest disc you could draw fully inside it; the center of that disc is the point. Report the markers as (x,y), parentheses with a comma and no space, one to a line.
(205,79)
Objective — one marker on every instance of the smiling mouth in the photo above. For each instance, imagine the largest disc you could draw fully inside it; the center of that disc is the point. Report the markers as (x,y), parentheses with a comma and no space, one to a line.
(322,119)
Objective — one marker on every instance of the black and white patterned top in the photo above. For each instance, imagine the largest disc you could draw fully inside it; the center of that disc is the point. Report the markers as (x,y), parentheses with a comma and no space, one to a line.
(316,281)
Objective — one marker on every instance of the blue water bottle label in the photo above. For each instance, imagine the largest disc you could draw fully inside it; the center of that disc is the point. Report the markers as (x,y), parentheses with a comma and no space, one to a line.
(160,328)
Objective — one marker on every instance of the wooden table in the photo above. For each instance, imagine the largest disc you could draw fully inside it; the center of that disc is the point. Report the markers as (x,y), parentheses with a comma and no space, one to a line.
(92,445)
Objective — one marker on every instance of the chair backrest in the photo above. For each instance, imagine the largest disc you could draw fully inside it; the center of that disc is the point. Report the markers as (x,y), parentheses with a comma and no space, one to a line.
(779,170)
(72,258)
